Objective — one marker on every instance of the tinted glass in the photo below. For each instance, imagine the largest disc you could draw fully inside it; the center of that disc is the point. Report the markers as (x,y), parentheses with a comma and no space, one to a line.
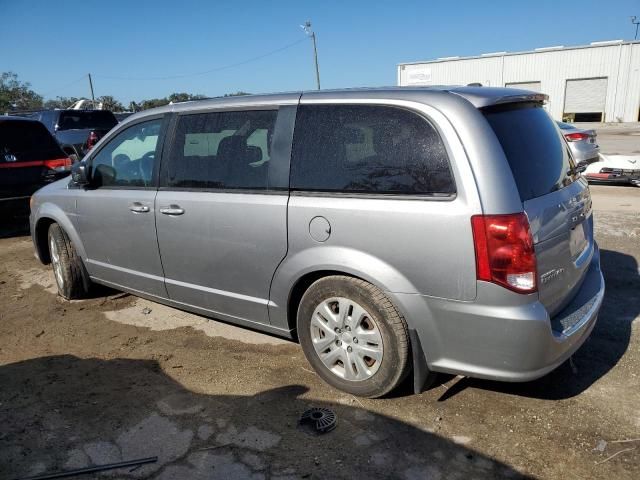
(127,160)
(368,149)
(534,147)
(222,150)
(80,120)
(28,141)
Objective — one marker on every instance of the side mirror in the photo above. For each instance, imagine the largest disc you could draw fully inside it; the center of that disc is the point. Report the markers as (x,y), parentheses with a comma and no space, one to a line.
(581,167)
(80,174)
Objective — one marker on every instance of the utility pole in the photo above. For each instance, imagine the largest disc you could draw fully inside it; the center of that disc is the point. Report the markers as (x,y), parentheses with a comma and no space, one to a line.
(307,29)
(93,98)
(636,22)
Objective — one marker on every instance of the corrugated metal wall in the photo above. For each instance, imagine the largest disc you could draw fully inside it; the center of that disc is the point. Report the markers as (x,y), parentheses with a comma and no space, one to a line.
(619,63)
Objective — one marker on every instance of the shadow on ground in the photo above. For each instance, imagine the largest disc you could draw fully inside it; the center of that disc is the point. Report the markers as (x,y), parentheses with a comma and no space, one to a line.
(602,351)
(64,412)
(13,225)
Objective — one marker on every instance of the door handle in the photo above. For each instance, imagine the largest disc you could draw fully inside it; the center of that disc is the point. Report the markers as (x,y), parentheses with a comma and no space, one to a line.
(172,210)
(137,207)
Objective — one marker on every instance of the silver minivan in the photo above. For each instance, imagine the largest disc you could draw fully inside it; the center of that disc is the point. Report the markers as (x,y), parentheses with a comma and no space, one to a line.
(393,232)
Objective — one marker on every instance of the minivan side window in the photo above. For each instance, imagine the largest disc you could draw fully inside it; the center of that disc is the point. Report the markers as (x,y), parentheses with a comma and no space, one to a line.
(127,160)
(368,149)
(221,150)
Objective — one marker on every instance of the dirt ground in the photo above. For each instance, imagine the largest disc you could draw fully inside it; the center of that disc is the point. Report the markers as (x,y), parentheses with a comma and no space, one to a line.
(104,380)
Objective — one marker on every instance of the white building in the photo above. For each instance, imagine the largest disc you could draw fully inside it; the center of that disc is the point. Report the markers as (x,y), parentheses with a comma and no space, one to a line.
(596,82)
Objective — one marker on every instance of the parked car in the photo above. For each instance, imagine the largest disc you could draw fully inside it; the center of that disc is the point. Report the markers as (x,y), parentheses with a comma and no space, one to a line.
(120,116)
(77,131)
(617,169)
(390,230)
(583,143)
(29,159)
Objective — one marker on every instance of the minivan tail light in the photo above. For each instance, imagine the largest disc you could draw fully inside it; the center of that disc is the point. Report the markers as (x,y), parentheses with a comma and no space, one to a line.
(576,137)
(504,251)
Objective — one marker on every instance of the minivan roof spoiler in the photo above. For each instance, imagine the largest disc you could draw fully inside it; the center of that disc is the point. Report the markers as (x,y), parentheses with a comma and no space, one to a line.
(478,96)
(481,97)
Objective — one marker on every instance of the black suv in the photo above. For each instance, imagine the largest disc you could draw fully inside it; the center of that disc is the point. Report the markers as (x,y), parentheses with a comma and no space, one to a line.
(29,159)
(77,131)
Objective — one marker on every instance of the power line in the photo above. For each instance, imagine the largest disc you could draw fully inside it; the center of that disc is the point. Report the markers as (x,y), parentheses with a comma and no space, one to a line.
(217,69)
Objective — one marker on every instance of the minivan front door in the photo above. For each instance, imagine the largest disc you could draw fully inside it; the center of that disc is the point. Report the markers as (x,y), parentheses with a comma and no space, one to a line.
(222,210)
(115,217)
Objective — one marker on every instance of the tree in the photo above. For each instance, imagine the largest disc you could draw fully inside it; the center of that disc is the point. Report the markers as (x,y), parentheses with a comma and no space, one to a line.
(110,103)
(61,102)
(239,93)
(159,102)
(152,103)
(184,97)
(17,95)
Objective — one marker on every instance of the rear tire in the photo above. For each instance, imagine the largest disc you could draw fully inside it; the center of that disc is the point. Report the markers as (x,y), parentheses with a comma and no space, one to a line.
(69,271)
(353,336)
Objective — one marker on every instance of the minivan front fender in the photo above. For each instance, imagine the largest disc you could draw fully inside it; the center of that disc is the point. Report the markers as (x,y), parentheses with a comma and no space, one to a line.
(337,260)
(46,214)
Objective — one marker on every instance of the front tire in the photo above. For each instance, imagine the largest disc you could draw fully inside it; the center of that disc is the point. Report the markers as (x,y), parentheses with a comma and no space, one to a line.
(353,336)
(68,269)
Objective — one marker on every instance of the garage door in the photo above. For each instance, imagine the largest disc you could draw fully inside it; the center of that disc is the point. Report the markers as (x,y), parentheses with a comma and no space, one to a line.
(533,86)
(585,96)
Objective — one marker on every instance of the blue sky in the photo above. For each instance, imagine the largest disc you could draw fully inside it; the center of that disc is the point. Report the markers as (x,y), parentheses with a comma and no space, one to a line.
(53,44)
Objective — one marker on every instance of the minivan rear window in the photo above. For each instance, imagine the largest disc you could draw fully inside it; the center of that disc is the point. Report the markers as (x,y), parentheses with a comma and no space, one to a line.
(537,154)
(28,141)
(82,119)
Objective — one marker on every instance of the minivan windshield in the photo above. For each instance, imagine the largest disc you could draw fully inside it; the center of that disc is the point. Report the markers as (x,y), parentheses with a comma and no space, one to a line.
(536,152)
(86,119)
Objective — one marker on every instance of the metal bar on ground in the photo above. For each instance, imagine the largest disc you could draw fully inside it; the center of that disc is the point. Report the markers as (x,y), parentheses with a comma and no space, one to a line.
(97,468)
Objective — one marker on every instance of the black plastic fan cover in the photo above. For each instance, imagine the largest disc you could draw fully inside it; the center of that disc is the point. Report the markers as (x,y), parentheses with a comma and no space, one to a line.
(318,420)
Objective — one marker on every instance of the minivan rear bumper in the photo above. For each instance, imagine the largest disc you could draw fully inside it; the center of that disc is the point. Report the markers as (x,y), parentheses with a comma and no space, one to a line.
(502,335)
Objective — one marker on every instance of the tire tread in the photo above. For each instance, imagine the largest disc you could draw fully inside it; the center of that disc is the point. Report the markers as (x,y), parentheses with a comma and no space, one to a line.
(76,279)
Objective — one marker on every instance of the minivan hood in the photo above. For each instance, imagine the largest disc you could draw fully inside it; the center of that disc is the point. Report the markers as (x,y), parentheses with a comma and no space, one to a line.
(58,185)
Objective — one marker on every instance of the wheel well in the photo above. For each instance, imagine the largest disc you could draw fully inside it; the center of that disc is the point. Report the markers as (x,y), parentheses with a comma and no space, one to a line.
(298,290)
(42,232)
(420,373)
